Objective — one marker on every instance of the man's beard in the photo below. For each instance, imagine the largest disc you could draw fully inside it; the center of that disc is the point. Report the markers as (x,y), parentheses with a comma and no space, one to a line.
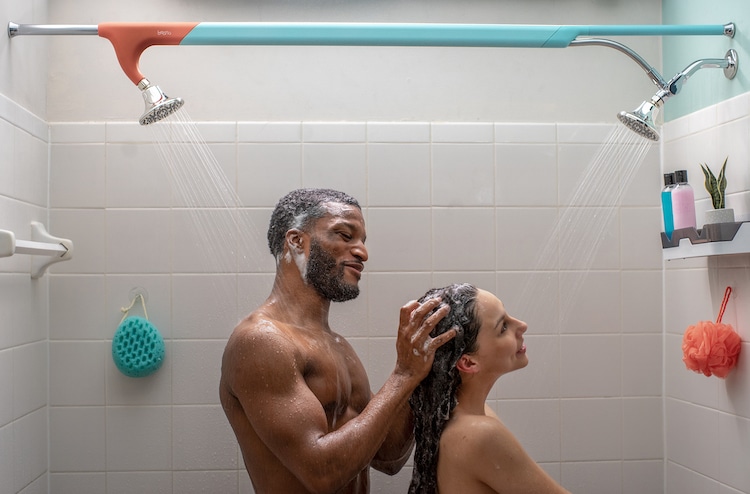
(327,277)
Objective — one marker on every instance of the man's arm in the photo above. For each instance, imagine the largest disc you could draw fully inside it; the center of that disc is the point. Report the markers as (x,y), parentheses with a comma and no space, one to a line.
(398,444)
(263,374)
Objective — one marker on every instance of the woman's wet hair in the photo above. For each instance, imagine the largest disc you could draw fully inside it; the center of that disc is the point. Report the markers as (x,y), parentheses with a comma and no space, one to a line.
(298,209)
(435,398)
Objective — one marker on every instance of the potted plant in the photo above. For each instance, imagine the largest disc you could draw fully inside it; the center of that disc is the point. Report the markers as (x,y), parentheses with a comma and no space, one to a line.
(716,187)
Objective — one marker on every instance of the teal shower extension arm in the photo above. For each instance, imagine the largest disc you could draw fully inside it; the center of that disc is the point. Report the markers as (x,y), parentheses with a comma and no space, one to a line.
(131,39)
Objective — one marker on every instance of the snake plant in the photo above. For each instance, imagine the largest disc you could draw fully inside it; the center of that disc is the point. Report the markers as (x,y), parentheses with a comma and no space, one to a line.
(715,186)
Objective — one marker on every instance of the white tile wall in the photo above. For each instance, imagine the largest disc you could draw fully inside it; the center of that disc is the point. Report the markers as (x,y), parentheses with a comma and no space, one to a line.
(441,206)
(694,289)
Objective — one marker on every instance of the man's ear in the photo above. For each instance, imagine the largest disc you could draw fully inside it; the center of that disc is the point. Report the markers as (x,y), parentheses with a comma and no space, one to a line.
(295,239)
(467,364)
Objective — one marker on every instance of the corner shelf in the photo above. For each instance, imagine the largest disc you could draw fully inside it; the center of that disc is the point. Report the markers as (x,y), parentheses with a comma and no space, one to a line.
(711,240)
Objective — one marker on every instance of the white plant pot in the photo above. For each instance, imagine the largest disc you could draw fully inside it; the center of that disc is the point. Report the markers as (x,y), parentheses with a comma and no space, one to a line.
(719,216)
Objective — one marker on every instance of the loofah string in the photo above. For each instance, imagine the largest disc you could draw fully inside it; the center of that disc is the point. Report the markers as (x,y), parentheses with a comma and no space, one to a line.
(724,303)
(125,310)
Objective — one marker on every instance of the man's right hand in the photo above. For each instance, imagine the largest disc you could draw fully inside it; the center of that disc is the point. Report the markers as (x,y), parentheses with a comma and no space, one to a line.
(415,348)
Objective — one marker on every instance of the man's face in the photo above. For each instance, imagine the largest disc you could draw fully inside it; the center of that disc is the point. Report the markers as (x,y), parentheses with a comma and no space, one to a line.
(337,254)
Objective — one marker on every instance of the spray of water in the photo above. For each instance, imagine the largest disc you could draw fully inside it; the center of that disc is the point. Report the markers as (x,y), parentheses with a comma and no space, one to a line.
(584,221)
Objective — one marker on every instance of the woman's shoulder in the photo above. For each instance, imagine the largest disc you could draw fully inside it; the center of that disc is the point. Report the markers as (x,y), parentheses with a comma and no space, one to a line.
(475,432)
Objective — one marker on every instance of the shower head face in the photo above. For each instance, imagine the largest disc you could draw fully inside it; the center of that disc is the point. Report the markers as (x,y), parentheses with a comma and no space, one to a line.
(161,111)
(158,105)
(641,120)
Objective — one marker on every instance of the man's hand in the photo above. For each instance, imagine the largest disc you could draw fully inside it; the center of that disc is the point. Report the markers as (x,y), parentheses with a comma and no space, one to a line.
(415,348)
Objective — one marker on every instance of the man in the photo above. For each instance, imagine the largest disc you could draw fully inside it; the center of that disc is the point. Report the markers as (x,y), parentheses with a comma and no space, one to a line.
(462,445)
(294,391)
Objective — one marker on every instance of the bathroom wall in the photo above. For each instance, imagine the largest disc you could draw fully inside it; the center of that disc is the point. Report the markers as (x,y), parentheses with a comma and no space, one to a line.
(708,418)
(444,202)
(23,301)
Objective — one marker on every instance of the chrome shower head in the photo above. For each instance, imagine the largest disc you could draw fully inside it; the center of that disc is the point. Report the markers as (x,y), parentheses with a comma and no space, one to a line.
(641,120)
(158,104)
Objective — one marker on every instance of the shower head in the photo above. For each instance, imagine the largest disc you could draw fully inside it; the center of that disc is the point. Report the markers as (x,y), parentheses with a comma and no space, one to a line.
(641,120)
(158,104)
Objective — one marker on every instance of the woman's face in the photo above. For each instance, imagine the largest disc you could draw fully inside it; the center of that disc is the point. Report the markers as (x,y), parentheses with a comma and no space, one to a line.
(500,347)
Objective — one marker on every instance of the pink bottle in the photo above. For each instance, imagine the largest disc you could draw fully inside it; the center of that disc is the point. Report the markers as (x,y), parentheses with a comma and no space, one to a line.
(683,202)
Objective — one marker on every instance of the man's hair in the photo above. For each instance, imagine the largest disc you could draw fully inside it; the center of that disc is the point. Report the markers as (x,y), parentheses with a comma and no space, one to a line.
(299,209)
(435,397)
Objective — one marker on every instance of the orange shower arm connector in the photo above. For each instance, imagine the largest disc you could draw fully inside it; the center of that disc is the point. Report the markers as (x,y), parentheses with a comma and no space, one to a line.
(130,40)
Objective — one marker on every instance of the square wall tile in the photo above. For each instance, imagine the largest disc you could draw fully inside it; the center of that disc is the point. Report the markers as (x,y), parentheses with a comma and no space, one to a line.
(30,378)
(464,239)
(139,438)
(589,238)
(86,228)
(187,482)
(30,448)
(642,364)
(398,132)
(136,177)
(536,425)
(642,437)
(336,166)
(389,230)
(140,392)
(76,307)
(77,132)
(138,241)
(77,176)
(77,372)
(591,429)
(269,132)
(196,368)
(539,379)
(205,240)
(252,233)
(462,132)
(77,439)
(681,480)
(526,175)
(641,243)
(267,172)
(78,483)
(252,291)
(682,437)
(642,296)
(192,294)
(201,175)
(590,366)
(536,249)
(212,446)
(684,384)
(734,432)
(590,302)
(687,299)
(523,133)
(31,170)
(643,477)
(388,293)
(592,476)
(645,182)
(463,175)
(143,482)
(334,131)
(398,175)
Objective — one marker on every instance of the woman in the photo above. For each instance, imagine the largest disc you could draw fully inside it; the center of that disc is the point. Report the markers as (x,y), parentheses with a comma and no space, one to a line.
(461,445)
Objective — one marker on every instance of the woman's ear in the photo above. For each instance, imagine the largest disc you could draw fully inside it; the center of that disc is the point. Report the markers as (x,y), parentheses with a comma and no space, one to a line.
(467,364)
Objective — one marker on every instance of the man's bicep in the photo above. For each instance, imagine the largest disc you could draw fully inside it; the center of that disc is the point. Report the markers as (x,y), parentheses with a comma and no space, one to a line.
(276,400)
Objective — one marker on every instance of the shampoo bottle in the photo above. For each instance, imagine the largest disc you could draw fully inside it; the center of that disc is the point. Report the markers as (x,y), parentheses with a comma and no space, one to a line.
(666,203)
(683,202)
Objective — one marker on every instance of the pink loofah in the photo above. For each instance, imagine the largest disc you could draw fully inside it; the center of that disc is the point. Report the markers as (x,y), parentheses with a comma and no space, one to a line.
(711,348)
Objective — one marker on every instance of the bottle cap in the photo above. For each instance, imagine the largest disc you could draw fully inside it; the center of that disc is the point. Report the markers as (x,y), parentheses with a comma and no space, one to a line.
(681,176)
(669,179)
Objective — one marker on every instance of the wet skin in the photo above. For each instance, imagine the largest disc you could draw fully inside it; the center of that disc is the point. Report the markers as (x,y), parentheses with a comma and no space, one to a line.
(295,392)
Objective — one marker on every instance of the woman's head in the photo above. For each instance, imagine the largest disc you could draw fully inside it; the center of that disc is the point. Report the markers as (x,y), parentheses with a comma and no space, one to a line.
(435,397)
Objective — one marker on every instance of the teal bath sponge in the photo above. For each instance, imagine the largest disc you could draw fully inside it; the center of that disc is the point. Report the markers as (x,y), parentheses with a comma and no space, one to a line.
(137,347)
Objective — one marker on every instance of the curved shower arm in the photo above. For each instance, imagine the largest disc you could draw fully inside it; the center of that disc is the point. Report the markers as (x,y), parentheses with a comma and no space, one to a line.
(652,73)
(728,63)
